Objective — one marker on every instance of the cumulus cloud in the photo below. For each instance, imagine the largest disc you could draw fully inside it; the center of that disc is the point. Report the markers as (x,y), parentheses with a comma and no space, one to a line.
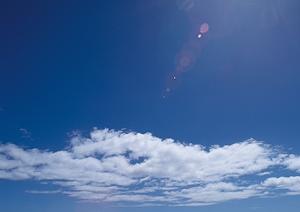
(291,184)
(293,162)
(134,168)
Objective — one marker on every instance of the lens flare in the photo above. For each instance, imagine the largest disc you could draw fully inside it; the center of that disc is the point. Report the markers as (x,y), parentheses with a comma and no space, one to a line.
(204,28)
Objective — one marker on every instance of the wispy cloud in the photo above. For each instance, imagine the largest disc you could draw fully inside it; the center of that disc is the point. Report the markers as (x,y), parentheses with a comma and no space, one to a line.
(25,133)
(134,168)
(44,192)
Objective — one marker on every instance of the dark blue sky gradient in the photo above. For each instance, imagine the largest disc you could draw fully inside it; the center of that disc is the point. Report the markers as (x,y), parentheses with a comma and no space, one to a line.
(67,65)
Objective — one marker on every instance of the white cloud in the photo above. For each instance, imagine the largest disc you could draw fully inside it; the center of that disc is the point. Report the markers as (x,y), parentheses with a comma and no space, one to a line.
(116,166)
(292,183)
(293,162)
(216,192)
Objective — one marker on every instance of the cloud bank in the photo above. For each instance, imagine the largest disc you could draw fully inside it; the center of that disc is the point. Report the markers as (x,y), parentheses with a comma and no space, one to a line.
(128,168)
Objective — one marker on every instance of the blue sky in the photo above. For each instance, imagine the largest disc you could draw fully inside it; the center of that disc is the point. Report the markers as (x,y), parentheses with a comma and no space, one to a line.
(71,70)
